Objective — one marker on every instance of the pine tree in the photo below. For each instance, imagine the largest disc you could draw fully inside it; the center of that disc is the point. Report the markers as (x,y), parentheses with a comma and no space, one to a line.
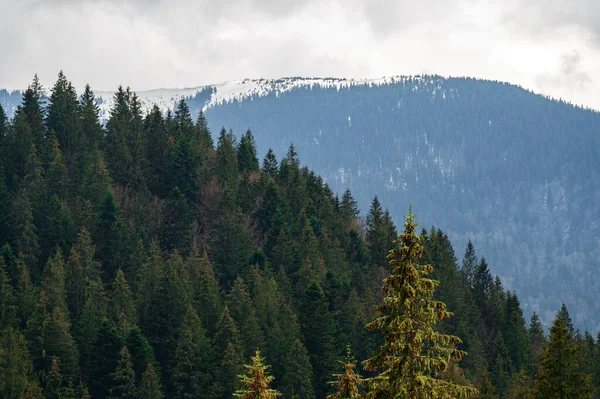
(246,153)
(90,123)
(53,280)
(82,271)
(537,341)
(193,360)
(25,231)
(54,381)
(63,117)
(469,264)
(7,301)
(6,214)
(269,165)
(107,237)
(486,389)
(149,387)
(123,379)
(229,351)
(318,330)
(243,313)
(413,352)
(104,359)
(206,292)
(380,234)
(349,383)
(559,375)
(122,308)
(16,371)
(298,378)
(349,206)
(257,381)
(142,354)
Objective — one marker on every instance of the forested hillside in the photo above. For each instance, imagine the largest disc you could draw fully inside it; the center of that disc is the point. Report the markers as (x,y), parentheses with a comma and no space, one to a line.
(513,171)
(140,259)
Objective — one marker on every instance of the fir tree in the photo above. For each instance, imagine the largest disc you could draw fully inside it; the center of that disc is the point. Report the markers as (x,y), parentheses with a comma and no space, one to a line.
(123,379)
(537,340)
(270,164)
(559,375)
(348,384)
(246,153)
(257,381)
(193,360)
(149,387)
(142,354)
(413,352)
(318,329)
(16,371)
(104,359)
(298,378)
(469,264)
(122,308)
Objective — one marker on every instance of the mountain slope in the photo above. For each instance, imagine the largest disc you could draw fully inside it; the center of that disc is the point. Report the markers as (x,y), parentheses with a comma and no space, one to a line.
(515,172)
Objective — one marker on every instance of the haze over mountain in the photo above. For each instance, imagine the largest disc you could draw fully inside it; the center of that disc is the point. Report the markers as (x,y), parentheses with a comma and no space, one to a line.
(513,171)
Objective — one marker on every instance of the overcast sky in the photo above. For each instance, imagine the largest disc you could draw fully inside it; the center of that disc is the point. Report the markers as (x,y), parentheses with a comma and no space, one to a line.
(549,46)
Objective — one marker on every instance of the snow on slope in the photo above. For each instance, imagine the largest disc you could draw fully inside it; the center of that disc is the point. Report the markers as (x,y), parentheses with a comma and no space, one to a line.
(238,90)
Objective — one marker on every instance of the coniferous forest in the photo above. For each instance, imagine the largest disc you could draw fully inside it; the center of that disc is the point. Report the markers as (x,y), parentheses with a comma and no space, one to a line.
(145,259)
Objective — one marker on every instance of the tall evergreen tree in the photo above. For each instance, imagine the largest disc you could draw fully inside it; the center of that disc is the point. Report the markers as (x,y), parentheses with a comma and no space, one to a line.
(537,341)
(348,385)
(559,375)
(193,360)
(149,387)
(318,330)
(104,359)
(269,165)
(469,264)
(246,153)
(123,378)
(298,378)
(257,381)
(16,371)
(142,354)
(413,352)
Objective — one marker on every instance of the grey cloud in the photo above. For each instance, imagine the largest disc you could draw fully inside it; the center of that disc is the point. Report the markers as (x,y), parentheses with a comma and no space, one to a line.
(542,18)
(568,74)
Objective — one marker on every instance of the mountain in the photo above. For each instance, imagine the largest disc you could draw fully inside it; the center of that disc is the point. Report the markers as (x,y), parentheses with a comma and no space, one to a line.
(515,172)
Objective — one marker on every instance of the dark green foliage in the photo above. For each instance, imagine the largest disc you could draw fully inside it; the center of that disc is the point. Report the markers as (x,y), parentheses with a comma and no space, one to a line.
(298,377)
(16,370)
(559,375)
(194,360)
(246,153)
(104,359)
(160,231)
(270,164)
(142,354)
(318,330)
(231,247)
(123,378)
(149,387)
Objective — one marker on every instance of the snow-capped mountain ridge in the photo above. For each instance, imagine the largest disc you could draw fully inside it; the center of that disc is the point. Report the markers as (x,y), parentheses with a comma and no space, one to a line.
(239,90)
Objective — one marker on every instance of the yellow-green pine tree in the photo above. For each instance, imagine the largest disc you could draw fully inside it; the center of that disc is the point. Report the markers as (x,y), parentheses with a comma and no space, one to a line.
(257,381)
(414,354)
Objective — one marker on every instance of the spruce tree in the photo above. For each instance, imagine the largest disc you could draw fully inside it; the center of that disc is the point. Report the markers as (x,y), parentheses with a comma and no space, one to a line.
(246,153)
(16,371)
(193,360)
(104,359)
(297,381)
(318,330)
(469,264)
(122,308)
(123,378)
(413,354)
(25,231)
(149,387)
(559,375)
(257,381)
(269,165)
(142,354)
(348,385)
(537,341)
(7,300)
